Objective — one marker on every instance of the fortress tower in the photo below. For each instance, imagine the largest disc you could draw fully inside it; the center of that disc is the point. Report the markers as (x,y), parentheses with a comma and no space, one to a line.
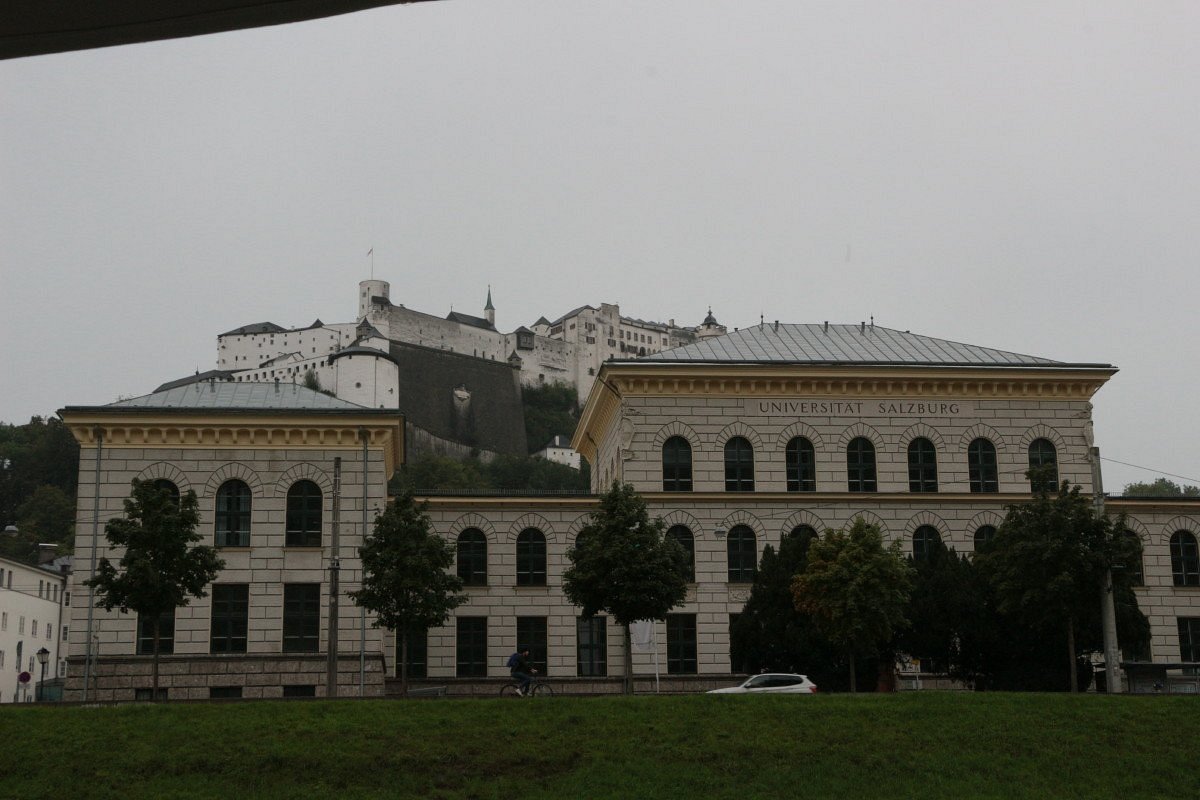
(369,289)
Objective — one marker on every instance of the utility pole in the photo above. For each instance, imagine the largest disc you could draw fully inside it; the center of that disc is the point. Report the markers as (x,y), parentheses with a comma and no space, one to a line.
(98,435)
(1108,611)
(335,566)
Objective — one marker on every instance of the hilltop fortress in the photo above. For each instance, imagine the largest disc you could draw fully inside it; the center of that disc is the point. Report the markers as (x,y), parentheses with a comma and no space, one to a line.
(457,379)
(568,350)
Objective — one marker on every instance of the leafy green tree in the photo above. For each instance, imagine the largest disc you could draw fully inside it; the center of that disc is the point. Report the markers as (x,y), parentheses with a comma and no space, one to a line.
(550,410)
(41,452)
(622,564)
(1161,487)
(433,474)
(161,567)
(49,515)
(856,590)
(770,635)
(1048,560)
(944,611)
(517,473)
(406,577)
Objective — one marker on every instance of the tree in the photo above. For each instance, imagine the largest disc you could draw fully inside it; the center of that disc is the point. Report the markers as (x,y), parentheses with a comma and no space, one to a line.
(550,410)
(40,453)
(856,589)
(944,611)
(49,515)
(161,567)
(1048,561)
(622,564)
(770,635)
(1161,488)
(406,578)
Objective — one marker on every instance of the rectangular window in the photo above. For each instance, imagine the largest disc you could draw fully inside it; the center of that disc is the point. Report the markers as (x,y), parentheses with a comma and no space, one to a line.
(531,635)
(417,653)
(300,691)
(166,635)
(1189,639)
(21,626)
(591,637)
(301,617)
(471,658)
(3,621)
(148,693)
(64,633)
(224,692)
(49,631)
(230,613)
(681,644)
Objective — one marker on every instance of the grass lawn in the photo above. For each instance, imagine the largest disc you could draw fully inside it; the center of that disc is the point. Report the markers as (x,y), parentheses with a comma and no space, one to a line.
(894,746)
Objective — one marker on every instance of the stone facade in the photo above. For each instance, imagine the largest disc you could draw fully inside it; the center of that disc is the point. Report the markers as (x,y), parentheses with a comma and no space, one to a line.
(31,618)
(199,450)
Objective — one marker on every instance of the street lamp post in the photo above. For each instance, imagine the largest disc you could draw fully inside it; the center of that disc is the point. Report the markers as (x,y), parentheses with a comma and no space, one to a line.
(43,656)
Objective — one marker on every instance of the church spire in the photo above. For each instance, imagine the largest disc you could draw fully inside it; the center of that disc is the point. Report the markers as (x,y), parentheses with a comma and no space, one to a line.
(489,311)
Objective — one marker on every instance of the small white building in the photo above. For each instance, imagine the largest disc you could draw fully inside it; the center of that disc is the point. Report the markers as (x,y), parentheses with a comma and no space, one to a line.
(560,451)
(31,618)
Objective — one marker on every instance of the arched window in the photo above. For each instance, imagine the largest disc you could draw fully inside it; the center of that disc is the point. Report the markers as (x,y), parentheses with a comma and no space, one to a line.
(925,538)
(303,515)
(922,466)
(1043,454)
(860,465)
(1185,559)
(984,535)
(164,485)
(233,514)
(677,465)
(739,465)
(981,466)
(743,554)
(531,558)
(472,557)
(805,531)
(1137,577)
(682,536)
(801,461)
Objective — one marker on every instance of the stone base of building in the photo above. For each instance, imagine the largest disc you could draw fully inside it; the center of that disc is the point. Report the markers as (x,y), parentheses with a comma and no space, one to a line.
(642,684)
(203,677)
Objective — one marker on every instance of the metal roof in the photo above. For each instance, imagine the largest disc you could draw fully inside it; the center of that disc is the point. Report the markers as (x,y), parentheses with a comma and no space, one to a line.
(239,397)
(212,374)
(843,344)
(257,327)
(468,319)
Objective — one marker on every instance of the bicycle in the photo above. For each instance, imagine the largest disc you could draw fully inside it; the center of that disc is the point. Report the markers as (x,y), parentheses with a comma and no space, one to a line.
(537,688)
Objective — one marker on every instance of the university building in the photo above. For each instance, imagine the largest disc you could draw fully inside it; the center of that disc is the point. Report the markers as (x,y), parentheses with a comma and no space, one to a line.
(735,441)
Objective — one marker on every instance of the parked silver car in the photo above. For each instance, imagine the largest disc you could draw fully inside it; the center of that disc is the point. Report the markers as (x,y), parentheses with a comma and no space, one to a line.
(772,683)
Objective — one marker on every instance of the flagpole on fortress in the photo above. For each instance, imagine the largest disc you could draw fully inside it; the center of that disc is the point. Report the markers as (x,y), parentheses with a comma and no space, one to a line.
(371,255)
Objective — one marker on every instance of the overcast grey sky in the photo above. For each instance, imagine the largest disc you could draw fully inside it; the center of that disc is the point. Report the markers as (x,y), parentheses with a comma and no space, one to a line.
(1021,175)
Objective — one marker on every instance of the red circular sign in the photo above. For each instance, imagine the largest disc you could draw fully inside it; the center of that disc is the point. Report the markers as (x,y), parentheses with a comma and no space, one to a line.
(24,677)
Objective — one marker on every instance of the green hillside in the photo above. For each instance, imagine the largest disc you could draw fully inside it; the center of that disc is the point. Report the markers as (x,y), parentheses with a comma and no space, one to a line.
(893,746)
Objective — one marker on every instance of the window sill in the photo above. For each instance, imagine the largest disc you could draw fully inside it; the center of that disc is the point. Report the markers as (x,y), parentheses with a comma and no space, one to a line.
(304,548)
(233,547)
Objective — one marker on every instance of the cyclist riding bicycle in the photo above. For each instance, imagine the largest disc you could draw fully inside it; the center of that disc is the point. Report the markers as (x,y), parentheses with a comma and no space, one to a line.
(521,670)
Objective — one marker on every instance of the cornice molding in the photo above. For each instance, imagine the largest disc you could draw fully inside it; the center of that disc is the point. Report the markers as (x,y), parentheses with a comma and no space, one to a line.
(598,413)
(244,432)
(862,382)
